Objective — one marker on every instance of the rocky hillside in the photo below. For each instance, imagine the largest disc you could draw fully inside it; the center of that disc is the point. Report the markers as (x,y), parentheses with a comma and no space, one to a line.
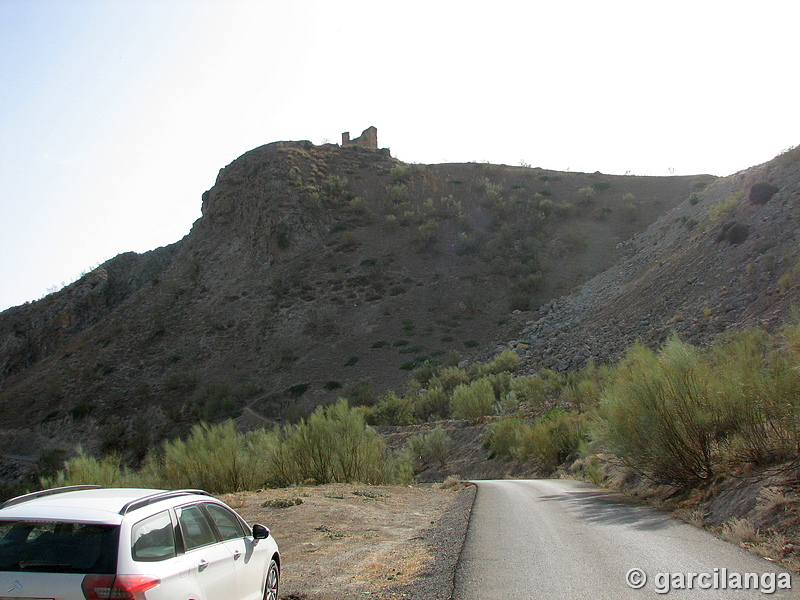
(320,271)
(727,257)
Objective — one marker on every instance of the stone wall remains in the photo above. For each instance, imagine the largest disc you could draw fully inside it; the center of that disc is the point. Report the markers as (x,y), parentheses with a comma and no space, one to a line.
(367,139)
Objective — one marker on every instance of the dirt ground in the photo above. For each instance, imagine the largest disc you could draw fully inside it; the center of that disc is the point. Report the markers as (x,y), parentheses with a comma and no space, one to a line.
(347,541)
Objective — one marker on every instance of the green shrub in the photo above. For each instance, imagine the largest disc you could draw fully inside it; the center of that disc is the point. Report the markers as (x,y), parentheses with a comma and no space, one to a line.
(432,404)
(791,277)
(548,443)
(450,377)
(429,448)
(283,237)
(426,234)
(181,381)
(538,388)
(500,382)
(348,242)
(681,415)
(397,193)
(553,439)
(361,392)
(87,470)
(583,389)
(334,444)
(564,209)
(392,409)
(335,188)
(493,193)
(631,211)
(428,369)
(400,172)
(504,438)
(217,399)
(412,365)
(758,387)
(659,419)
(530,283)
(507,360)
(727,206)
(586,194)
(212,457)
(575,241)
(359,207)
(473,401)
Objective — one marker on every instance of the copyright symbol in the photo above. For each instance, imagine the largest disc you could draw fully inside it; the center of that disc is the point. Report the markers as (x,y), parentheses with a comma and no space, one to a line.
(636,578)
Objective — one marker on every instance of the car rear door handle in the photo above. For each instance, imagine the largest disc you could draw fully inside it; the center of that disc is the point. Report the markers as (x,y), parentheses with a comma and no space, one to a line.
(202,566)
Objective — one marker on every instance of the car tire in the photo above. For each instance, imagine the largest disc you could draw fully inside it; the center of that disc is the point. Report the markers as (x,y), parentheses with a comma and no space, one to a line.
(272,582)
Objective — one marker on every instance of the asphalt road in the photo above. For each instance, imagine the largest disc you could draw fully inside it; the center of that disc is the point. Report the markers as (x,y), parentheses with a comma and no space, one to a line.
(568,540)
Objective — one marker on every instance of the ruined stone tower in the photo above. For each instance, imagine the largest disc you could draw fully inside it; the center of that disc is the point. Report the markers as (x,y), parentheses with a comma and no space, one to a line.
(367,139)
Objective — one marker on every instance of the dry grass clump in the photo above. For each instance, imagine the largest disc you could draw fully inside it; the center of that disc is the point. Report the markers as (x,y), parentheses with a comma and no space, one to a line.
(773,498)
(453,483)
(693,516)
(741,532)
(282,502)
(772,547)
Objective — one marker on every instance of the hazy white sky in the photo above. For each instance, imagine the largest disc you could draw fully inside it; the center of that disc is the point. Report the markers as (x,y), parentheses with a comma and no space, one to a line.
(116,115)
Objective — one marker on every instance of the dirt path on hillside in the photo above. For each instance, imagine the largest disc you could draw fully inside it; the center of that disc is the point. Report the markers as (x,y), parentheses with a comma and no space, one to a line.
(354,541)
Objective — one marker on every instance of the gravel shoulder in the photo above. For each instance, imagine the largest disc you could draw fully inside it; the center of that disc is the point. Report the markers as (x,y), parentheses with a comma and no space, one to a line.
(349,541)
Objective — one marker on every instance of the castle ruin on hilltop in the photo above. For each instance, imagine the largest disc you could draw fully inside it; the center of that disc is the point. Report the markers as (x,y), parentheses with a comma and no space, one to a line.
(367,139)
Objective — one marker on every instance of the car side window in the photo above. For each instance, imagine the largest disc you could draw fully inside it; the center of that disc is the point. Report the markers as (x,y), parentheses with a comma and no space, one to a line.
(195,528)
(228,524)
(153,538)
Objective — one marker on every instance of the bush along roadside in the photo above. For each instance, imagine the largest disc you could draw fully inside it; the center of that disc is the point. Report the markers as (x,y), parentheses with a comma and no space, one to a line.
(680,415)
(334,444)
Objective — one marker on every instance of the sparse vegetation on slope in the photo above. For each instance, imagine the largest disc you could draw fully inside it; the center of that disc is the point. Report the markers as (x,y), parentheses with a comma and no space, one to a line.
(308,265)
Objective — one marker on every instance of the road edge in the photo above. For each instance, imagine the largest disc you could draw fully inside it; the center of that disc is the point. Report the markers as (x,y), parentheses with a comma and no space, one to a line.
(446,539)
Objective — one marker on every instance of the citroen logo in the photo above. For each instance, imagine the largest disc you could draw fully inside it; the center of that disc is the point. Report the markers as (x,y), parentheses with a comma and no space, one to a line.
(15,586)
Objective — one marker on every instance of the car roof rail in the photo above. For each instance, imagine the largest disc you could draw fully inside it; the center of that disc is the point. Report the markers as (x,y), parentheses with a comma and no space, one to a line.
(50,492)
(158,497)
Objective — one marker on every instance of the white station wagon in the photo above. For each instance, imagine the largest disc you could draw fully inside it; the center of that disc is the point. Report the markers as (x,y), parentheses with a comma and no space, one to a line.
(92,543)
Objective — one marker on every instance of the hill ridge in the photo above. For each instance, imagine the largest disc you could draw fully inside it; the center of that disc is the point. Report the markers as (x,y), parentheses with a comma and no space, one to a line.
(314,272)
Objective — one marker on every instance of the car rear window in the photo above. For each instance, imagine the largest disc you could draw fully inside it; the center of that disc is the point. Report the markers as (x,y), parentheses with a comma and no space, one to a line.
(58,547)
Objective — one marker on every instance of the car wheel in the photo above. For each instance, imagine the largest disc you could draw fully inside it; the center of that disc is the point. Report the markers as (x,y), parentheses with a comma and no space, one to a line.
(273,579)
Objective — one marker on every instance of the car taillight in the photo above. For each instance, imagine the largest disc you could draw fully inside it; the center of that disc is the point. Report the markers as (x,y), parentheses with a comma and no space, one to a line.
(117,587)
